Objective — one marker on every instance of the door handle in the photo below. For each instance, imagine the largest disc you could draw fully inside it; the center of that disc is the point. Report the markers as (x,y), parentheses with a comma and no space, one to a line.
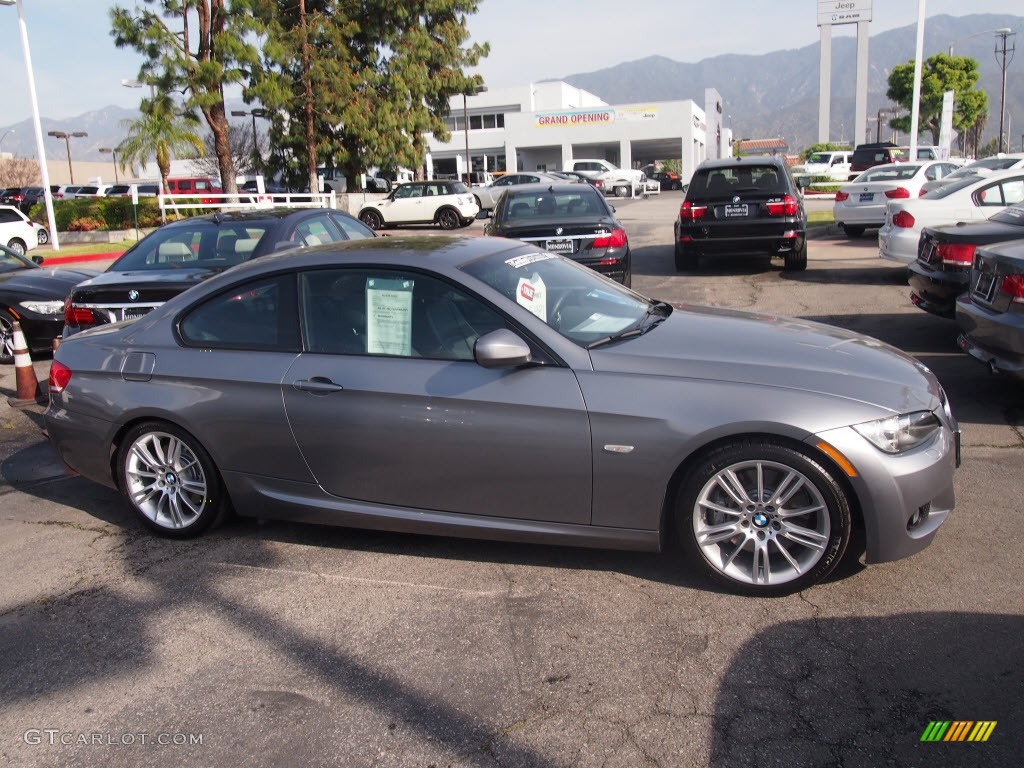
(318,385)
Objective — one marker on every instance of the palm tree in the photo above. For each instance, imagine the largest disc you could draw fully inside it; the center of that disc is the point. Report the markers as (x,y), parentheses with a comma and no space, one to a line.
(161,132)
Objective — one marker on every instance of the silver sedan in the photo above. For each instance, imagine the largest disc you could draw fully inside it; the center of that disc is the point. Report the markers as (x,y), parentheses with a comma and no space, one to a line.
(481,387)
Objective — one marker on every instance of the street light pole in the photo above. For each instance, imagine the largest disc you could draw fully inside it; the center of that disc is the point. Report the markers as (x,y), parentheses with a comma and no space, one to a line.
(113,152)
(1003,34)
(37,126)
(67,142)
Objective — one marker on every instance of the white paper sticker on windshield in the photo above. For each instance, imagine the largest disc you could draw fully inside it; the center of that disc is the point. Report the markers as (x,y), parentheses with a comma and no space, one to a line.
(389,316)
(532,294)
(521,261)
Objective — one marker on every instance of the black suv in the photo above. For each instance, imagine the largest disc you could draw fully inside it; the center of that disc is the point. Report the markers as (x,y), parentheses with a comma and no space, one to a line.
(869,155)
(744,207)
(181,254)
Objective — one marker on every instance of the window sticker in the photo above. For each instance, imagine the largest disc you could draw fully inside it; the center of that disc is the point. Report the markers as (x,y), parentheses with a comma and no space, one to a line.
(389,316)
(521,261)
(532,294)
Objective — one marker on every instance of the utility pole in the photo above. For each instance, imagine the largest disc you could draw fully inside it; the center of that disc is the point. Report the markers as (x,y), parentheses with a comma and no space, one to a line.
(1002,50)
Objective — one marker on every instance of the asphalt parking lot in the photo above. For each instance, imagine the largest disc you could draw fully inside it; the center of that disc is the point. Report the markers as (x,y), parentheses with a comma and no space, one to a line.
(270,644)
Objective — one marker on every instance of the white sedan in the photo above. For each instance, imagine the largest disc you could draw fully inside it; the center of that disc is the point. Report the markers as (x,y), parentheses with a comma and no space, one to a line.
(969,199)
(18,232)
(861,203)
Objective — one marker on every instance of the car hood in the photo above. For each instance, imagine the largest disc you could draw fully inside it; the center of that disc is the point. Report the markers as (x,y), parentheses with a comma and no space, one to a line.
(43,282)
(764,350)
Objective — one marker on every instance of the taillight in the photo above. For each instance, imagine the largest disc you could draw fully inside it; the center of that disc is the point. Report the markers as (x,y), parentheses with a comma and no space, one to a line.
(691,212)
(598,184)
(900,193)
(77,315)
(60,375)
(616,239)
(956,254)
(840,196)
(903,219)
(784,207)
(1013,286)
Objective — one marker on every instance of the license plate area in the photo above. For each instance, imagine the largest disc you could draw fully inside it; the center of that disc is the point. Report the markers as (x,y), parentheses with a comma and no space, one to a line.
(986,286)
(133,314)
(737,211)
(866,197)
(559,246)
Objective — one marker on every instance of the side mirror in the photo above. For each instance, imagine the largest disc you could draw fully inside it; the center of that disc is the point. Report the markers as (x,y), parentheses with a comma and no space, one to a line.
(37,259)
(501,349)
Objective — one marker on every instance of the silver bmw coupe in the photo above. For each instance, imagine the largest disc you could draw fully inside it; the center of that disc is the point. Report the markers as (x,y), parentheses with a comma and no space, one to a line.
(481,387)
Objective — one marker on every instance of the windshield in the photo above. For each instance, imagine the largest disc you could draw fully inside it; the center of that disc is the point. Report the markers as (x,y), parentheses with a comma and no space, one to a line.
(200,243)
(580,304)
(10,261)
(820,158)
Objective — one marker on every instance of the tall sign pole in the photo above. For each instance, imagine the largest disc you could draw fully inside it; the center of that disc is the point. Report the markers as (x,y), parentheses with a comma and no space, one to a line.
(833,13)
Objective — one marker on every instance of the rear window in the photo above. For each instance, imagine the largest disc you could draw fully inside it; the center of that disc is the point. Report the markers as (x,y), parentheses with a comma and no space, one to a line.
(585,202)
(899,173)
(716,182)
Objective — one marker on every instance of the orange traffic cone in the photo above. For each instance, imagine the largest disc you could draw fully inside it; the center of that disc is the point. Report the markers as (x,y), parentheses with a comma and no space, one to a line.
(29,391)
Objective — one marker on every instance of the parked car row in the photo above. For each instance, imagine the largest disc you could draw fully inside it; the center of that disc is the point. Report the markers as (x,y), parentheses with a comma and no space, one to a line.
(960,231)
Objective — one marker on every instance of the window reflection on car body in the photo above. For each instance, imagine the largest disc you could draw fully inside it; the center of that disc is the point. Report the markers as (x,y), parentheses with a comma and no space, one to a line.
(646,323)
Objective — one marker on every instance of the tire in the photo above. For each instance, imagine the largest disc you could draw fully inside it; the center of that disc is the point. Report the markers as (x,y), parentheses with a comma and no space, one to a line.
(477,201)
(169,480)
(686,261)
(6,337)
(448,218)
(796,260)
(676,186)
(761,518)
(44,236)
(852,231)
(621,191)
(17,246)
(372,219)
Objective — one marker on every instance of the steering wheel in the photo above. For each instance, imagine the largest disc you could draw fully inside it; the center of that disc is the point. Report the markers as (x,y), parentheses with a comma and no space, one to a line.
(555,317)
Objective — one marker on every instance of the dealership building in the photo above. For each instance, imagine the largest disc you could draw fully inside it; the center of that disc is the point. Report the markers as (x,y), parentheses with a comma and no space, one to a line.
(545,126)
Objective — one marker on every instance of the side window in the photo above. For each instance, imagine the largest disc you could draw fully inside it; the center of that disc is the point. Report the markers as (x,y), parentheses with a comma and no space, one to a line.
(316,230)
(1013,191)
(257,315)
(6,217)
(202,185)
(989,195)
(350,228)
(505,181)
(184,186)
(392,314)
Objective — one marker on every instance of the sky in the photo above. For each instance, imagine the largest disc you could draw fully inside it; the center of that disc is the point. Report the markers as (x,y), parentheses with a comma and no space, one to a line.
(78,69)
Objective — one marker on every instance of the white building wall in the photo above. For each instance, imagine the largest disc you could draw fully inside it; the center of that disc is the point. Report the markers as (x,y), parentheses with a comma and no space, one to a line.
(546,125)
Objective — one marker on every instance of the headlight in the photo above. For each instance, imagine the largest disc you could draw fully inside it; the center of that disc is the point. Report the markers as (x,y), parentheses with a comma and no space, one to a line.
(44,307)
(896,434)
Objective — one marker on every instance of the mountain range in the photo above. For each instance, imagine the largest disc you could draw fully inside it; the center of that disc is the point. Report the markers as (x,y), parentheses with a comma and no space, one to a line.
(765,96)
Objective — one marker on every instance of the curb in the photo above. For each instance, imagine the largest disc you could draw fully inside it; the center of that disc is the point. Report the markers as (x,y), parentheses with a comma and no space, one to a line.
(56,260)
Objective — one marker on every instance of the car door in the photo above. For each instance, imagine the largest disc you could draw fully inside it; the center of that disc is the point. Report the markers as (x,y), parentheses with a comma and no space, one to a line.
(406,205)
(388,406)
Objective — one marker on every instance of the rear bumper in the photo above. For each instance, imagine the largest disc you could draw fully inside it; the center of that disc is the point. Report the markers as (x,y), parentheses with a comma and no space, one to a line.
(898,244)
(935,291)
(995,339)
(758,245)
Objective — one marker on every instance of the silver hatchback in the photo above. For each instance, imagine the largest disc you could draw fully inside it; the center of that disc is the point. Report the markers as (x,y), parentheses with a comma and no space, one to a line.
(482,387)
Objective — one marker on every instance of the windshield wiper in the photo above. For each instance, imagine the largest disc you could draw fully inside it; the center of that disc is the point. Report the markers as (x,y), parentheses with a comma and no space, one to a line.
(660,308)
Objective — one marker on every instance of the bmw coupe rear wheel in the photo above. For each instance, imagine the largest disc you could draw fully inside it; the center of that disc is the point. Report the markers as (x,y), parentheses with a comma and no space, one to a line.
(762,518)
(169,480)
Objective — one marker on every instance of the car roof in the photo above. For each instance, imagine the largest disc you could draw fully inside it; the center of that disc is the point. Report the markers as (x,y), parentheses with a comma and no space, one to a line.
(271,214)
(570,187)
(734,162)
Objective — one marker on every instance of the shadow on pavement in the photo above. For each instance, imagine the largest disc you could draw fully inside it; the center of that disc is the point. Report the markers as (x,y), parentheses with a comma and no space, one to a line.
(861,691)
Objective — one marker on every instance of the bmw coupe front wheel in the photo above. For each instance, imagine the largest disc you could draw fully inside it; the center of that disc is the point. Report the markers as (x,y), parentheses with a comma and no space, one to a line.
(762,519)
(169,480)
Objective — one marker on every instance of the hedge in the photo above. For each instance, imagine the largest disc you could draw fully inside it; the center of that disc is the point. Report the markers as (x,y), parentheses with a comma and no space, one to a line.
(98,213)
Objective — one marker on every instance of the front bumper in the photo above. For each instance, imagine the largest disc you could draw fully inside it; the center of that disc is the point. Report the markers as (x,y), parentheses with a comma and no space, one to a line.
(904,498)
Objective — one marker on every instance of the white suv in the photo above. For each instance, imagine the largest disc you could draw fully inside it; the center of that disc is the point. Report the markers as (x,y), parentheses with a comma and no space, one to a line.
(18,232)
(448,204)
(616,181)
(835,165)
